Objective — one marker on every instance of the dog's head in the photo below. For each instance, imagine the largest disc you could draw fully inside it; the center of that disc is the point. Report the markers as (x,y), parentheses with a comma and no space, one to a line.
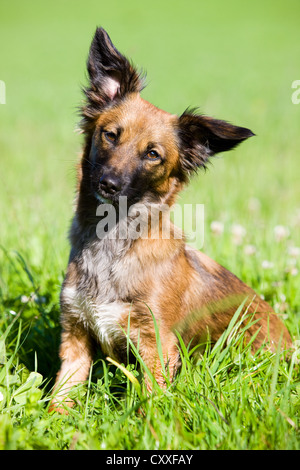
(133,148)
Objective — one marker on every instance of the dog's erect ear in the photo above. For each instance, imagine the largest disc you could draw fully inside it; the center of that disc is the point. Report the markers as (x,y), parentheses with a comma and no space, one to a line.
(111,75)
(202,136)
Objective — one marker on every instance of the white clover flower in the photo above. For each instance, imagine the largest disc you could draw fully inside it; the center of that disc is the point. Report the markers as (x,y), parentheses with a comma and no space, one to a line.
(250,250)
(294,251)
(267,264)
(238,233)
(1,396)
(281,307)
(291,269)
(217,227)
(281,232)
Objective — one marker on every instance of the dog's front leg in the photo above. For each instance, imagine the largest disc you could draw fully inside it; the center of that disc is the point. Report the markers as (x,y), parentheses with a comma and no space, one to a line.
(160,371)
(76,357)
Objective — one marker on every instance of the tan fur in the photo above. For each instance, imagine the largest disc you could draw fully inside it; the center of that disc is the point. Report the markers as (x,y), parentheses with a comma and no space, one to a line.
(112,281)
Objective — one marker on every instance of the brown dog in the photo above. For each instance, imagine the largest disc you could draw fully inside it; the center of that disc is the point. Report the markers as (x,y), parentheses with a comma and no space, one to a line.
(139,152)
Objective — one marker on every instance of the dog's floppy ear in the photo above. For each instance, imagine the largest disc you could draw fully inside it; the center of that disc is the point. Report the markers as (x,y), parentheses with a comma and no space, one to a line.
(202,136)
(111,75)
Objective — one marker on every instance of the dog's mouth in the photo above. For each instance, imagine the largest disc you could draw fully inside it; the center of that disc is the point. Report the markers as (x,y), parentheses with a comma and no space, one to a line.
(103,200)
(105,197)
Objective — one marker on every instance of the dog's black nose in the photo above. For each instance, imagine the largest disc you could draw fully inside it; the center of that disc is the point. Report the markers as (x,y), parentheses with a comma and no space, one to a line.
(110,184)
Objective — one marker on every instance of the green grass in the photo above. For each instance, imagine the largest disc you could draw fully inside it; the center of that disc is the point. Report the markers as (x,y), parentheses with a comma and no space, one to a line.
(235,61)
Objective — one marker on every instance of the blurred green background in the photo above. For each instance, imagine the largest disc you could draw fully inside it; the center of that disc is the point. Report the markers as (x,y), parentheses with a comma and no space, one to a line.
(234,60)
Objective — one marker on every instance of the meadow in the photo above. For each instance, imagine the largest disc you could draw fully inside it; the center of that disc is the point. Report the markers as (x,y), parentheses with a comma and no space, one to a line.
(235,61)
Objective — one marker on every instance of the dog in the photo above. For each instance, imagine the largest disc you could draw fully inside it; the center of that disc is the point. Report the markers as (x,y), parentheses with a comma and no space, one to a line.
(117,285)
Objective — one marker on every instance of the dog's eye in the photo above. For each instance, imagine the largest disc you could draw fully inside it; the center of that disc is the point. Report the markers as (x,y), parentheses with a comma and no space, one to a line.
(152,155)
(110,136)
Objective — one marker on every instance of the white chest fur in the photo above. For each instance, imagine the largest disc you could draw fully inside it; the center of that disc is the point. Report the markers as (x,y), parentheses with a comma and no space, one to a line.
(106,274)
(103,318)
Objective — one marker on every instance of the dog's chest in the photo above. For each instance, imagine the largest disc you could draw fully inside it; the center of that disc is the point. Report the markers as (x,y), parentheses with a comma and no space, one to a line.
(104,319)
(97,300)
(108,271)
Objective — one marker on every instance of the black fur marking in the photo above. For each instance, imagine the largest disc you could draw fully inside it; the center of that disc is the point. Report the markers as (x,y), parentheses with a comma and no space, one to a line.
(202,137)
